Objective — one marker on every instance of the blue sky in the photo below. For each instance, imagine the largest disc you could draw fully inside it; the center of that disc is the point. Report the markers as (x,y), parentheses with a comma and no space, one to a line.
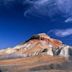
(18,22)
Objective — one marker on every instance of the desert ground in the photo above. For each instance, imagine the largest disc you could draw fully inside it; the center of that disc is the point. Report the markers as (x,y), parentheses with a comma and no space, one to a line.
(41,63)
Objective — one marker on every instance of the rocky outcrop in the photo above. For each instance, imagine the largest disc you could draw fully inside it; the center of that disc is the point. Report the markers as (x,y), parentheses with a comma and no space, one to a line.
(38,44)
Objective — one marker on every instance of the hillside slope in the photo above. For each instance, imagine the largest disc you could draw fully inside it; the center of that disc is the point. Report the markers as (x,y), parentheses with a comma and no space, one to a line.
(38,53)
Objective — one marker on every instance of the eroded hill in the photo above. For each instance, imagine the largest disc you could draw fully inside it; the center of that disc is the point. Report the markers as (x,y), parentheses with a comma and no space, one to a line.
(38,53)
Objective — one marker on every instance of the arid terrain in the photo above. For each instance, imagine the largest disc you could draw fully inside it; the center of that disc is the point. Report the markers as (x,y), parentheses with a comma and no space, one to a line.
(36,63)
(38,54)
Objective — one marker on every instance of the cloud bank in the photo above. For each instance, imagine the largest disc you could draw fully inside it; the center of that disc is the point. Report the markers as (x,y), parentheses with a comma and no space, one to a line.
(50,8)
(47,8)
(61,32)
(42,8)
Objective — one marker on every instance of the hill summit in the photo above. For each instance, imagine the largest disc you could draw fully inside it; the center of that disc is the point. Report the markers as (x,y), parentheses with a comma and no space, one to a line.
(38,44)
(40,53)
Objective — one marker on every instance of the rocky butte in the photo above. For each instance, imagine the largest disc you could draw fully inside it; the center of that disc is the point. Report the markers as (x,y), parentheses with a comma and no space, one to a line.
(40,52)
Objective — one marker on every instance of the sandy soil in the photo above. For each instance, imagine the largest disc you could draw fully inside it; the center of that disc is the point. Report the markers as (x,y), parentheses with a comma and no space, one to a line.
(40,63)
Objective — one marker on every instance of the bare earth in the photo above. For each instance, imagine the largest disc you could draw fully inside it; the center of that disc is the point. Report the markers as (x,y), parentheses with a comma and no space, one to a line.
(38,54)
(40,63)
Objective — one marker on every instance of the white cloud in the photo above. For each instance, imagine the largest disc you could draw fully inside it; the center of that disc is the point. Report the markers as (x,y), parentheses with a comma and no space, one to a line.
(42,8)
(68,20)
(61,32)
(50,7)
(47,8)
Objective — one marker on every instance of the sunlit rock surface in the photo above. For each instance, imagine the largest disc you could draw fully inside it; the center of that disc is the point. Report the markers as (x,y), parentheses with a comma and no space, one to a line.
(36,45)
(39,53)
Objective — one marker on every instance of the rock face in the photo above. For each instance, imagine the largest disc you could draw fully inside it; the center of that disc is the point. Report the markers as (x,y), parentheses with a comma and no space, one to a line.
(38,44)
